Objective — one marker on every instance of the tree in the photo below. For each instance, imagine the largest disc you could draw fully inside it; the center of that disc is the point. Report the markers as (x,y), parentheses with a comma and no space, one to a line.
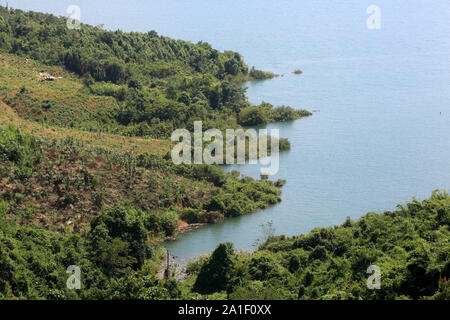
(114,257)
(125,224)
(216,274)
(253,116)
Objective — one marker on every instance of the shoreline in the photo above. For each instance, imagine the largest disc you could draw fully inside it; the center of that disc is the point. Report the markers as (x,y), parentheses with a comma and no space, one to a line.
(184,227)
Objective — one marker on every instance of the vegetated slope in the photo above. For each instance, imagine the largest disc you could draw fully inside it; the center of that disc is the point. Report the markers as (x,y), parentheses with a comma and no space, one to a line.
(136,84)
(65,107)
(63,203)
(60,183)
(115,260)
(411,246)
(62,102)
(52,108)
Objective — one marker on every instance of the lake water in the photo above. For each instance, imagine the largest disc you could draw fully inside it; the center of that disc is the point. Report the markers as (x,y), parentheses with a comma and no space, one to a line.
(382,134)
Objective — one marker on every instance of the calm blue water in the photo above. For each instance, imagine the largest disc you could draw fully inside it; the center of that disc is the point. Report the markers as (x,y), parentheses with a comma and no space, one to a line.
(382,134)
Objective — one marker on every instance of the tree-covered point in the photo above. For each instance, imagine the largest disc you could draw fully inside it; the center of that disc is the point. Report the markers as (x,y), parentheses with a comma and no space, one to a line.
(134,84)
(410,246)
(266,113)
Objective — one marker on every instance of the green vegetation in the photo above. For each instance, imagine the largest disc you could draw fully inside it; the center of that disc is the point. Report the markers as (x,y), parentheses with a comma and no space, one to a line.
(132,84)
(62,204)
(91,127)
(217,272)
(261,75)
(83,180)
(410,246)
(115,259)
(266,113)
(57,184)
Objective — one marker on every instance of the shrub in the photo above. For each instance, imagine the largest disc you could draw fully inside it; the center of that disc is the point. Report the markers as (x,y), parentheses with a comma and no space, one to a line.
(280,183)
(253,116)
(162,222)
(125,224)
(200,216)
(209,173)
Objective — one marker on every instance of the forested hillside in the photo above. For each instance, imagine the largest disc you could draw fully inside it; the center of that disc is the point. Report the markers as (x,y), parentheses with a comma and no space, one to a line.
(58,184)
(136,84)
(63,203)
(85,171)
(410,246)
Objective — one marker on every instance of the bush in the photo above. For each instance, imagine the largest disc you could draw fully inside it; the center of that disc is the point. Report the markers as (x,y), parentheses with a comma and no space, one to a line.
(209,173)
(18,147)
(108,89)
(260,75)
(162,222)
(135,84)
(286,113)
(121,223)
(200,216)
(280,183)
(253,116)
